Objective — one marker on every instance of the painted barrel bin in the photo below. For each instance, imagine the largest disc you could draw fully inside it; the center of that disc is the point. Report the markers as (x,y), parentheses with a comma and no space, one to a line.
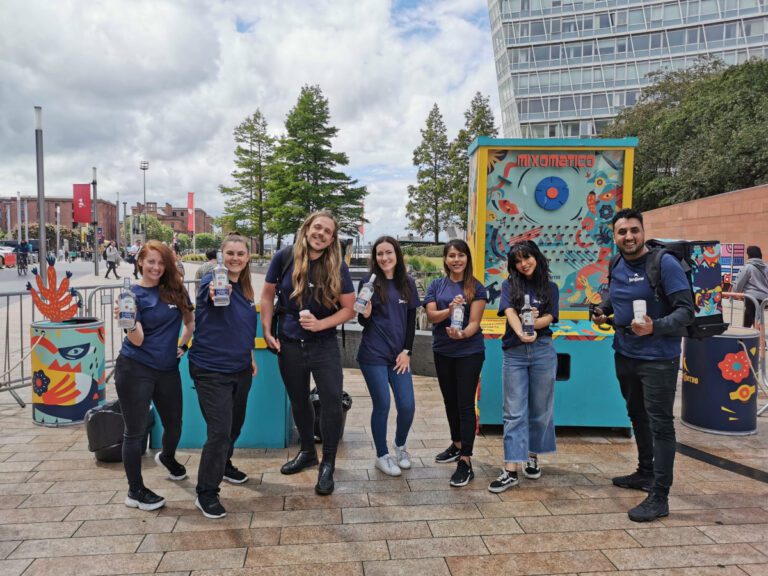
(68,372)
(719,383)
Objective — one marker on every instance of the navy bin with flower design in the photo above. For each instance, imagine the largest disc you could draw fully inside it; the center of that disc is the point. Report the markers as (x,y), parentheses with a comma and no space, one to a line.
(720,383)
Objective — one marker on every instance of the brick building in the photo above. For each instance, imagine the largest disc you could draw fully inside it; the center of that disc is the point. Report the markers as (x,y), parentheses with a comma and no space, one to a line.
(175,217)
(106,213)
(737,216)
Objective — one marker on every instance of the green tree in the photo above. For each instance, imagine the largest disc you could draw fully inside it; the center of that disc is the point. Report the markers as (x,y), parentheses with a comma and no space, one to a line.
(206,241)
(429,204)
(246,203)
(303,175)
(478,121)
(185,243)
(701,132)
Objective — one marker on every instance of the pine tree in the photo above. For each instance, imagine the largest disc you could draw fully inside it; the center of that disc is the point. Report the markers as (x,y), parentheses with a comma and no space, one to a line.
(478,121)
(303,175)
(246,205)
(429,208)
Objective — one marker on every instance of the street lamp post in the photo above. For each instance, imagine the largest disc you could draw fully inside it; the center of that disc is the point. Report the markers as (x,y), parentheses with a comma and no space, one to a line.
(125,217)
(40,192)
(144,166)
(58,224)
(95,227)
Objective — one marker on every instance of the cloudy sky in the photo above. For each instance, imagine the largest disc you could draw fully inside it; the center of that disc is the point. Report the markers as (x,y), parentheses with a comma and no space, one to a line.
(167,81)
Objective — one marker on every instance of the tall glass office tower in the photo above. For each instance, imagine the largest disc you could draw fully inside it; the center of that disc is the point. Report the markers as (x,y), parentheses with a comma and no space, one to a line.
(565,68)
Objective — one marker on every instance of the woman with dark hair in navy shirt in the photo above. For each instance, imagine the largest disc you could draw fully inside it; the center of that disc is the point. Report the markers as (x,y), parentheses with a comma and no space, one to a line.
(316,295)
(147,369)
(384,355)
(459,353)
(221,364)
(529,365)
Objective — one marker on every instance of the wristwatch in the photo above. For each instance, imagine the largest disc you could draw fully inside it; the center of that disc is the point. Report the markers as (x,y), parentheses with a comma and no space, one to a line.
(407,351)
(184,347)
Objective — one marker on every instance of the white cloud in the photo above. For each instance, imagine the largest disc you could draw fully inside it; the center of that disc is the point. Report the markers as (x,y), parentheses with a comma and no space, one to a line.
(168,81)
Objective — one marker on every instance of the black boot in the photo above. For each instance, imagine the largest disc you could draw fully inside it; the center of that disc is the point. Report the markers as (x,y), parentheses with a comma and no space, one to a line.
(304,459)
(324,484)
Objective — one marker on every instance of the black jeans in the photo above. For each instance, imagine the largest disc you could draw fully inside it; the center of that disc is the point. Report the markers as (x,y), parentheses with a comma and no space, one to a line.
(223,399)
(749,313)
(458,378)
(111,267)
(137,385)
(321,359)
(648,386)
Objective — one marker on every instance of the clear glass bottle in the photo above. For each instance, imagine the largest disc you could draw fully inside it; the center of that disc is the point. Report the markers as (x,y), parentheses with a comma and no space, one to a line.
(126,303)
(526,317)
(457,317)
(220,282)
(366,293)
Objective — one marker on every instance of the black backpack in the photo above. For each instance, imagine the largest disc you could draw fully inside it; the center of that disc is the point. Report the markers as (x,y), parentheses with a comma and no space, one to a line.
(702,326)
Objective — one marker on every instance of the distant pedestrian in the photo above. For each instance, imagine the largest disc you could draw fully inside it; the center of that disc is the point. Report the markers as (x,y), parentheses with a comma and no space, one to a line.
(753,281)
(112,255)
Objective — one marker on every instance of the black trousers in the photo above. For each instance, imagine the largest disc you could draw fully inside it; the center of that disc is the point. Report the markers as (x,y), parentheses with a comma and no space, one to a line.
(137,385)
(321,359)
(458,379)
(111,267)
(648,386)
(223,399)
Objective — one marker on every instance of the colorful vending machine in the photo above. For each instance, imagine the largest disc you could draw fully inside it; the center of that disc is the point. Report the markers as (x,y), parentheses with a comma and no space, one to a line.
(562,194)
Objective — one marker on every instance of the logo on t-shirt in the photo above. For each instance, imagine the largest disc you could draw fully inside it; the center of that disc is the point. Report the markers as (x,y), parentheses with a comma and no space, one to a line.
(636,278)
(172,306)
(401,301)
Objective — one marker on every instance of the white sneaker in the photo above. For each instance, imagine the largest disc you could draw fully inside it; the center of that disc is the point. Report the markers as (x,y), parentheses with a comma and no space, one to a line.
(403,458)
(387,465)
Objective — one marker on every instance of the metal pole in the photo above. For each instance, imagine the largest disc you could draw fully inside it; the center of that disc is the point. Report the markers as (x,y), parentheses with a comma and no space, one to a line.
(58,224)
(8,219)
(95,225)
(125,218)
(40,192)
(26,219)
(117,216)
(144,166)
(18,215)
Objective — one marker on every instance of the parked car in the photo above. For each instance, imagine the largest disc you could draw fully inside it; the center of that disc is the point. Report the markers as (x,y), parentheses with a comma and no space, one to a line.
(5,251)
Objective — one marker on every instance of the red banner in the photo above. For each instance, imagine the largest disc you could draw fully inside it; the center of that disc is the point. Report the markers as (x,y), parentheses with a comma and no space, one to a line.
(191,212)
(81,203)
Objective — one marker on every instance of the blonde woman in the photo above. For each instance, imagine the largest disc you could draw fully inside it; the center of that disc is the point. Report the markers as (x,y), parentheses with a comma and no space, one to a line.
(316,294)
(221,364)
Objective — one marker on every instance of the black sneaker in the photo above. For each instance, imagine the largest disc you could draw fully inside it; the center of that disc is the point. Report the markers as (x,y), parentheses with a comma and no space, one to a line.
(635,481)
(507,479)
(463,474)
(233,475)
(450,454)
(654,506)
(175,470)
(532,469)
(144,499)
(210,506)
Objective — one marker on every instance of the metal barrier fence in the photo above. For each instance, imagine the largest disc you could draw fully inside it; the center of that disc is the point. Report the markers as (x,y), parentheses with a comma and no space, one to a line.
(17,313)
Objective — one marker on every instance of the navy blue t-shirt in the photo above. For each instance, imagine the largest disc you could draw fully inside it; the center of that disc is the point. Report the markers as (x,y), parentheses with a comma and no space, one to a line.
(224,335)
(629,282)
(553,307)
(161,323)
(289,320)
(384,336)
(442,292)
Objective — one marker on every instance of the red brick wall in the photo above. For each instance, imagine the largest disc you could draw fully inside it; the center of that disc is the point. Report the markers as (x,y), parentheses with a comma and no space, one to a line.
(738,216)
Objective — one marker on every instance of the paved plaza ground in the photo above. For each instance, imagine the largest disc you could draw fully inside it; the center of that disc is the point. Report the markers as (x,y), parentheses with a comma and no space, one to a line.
(62,513)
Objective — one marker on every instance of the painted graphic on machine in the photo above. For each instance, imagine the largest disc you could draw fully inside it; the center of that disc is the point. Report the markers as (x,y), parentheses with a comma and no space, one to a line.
(563,200)
(706,275)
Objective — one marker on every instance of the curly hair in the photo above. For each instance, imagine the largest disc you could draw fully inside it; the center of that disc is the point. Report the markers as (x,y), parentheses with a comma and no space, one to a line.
(327,279)
(541,277)
(171,285)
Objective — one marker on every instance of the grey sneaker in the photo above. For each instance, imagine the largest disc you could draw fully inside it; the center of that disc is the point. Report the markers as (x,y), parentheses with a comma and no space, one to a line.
(402,457)
(387,465)
(506,480)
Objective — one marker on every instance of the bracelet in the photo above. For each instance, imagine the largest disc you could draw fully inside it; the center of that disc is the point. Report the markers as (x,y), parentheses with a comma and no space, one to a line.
(129,330)
(184,347)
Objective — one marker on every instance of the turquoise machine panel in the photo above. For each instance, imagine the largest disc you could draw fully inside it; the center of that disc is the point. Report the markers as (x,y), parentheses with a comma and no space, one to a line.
(562,194)
(268,421)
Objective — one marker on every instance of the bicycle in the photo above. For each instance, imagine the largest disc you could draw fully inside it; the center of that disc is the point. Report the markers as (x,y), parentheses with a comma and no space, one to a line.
(21,265)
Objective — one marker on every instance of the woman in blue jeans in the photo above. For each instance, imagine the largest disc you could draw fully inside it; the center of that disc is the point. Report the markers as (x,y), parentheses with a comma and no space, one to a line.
(147,370)
(529,365)
(384,355)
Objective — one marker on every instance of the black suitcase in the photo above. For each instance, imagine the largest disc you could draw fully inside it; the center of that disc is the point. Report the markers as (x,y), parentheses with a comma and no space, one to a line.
(104,427)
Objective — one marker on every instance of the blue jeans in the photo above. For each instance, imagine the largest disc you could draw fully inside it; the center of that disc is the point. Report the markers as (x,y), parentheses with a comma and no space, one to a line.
(528,374)
(378,378)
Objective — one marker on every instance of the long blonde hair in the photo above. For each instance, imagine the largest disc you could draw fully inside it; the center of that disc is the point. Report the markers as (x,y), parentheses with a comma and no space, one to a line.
(327,276)
(244,279)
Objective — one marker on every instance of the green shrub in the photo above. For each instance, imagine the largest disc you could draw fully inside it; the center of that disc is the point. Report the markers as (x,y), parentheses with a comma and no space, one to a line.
(194,258)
